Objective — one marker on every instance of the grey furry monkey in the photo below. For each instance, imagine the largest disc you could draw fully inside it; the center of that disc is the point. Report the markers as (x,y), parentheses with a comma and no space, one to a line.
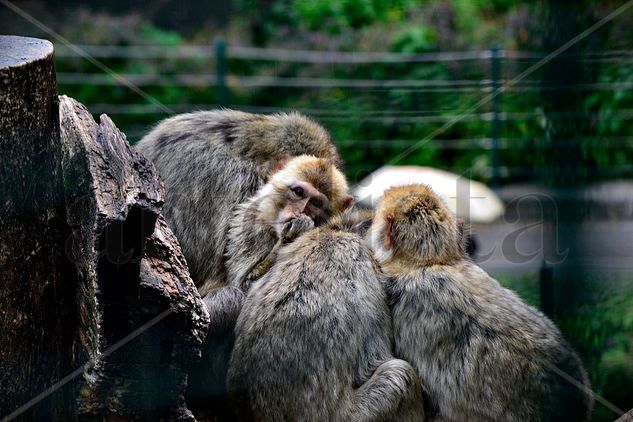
(211,161)
(313,340)
(481,352)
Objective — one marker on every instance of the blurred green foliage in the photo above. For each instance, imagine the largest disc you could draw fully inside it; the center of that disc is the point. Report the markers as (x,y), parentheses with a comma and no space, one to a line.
(376,125)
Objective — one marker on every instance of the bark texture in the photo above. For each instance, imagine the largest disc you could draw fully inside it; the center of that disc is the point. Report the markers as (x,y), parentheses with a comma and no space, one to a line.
(99,319)
(37,286)
(142,319)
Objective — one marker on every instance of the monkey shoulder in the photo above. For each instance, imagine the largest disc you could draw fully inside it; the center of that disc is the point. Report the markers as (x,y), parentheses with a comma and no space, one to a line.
(464,295)
(333,253)
(321,270)
(356,221)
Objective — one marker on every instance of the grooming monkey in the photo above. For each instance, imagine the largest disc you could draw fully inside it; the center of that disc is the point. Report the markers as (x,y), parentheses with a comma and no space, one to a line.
(313,340)
(303,194)
(211,161)
(480,351)
(306,192)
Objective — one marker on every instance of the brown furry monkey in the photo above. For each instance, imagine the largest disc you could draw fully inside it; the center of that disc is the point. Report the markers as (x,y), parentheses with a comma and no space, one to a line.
(306,192)
(481,352)
(211,161)
(313,339)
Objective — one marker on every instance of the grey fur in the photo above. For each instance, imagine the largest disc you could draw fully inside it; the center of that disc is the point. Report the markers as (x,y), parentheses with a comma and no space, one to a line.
(211,161)
(249,242)
(481,352)
(314,336)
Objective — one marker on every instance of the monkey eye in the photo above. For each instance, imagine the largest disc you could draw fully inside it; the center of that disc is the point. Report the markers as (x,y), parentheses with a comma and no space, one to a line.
(298,190)
(316,203)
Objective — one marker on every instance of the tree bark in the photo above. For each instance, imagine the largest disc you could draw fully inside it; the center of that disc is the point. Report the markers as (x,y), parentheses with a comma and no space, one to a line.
(133,277)
(37,307)
(99,319)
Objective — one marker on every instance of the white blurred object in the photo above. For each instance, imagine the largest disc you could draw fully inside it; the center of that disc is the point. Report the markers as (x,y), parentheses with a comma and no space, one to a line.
(473,201)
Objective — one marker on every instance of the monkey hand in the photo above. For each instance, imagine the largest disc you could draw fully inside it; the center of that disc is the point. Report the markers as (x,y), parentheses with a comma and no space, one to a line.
(296,227)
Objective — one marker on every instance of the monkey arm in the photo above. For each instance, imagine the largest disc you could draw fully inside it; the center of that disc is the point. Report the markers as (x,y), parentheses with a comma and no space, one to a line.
(392,393)
(264,265)
(224,305)
(290,232)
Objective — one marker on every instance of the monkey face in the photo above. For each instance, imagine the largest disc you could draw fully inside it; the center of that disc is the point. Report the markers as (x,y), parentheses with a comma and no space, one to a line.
(301,198)
(304,186)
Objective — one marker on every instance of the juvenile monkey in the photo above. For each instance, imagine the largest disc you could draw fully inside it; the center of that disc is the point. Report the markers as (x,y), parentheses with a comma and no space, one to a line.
(306,192)
(303,194)
(211,161)
(314,336)
(481,352)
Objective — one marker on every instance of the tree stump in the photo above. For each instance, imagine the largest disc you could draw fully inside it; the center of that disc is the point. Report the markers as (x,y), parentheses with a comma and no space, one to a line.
(99,319)
(37,291)
(132,277)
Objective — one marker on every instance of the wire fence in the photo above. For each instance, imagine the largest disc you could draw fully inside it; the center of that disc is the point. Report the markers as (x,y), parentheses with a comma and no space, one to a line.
(222,75)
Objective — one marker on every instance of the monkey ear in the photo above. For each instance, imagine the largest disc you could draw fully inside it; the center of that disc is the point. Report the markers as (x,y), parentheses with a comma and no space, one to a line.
(279,164)
(347,203)
(389,231)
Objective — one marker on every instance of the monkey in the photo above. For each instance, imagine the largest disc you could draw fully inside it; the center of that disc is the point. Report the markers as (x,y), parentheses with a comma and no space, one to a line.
(210,162)
(480,351)
(306,192)
(303,194)
(313,339)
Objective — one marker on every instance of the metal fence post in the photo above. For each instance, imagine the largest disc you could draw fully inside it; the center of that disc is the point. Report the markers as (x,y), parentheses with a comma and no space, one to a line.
(222,94)
(495,73)
(546,289)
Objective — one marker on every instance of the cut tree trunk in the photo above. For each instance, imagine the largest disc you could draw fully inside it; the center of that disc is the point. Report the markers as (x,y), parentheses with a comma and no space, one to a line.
(133,276)
(37,285)
(99,319)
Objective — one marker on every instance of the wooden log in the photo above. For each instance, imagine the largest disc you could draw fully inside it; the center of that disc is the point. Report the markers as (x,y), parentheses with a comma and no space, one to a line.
(132,277)
(37,285)
(99,319)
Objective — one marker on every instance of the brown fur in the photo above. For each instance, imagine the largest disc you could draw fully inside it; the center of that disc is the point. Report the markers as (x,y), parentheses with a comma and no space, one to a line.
(210,162)
(313,339)
(482,353)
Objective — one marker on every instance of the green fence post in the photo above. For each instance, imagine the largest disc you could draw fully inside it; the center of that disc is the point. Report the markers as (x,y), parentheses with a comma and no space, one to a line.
(495,73)
(222,94)
(546,289)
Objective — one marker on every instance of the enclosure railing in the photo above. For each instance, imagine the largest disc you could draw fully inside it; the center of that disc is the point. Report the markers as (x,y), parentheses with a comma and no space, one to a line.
(216,74)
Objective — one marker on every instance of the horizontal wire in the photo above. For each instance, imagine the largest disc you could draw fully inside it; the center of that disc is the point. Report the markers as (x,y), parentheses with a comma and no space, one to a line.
(113,108)
(431,85)
(313,56)
(411,116)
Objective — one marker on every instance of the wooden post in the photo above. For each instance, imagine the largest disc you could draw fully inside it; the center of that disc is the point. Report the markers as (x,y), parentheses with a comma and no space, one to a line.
(37,306)
(99,319)
(142,319)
